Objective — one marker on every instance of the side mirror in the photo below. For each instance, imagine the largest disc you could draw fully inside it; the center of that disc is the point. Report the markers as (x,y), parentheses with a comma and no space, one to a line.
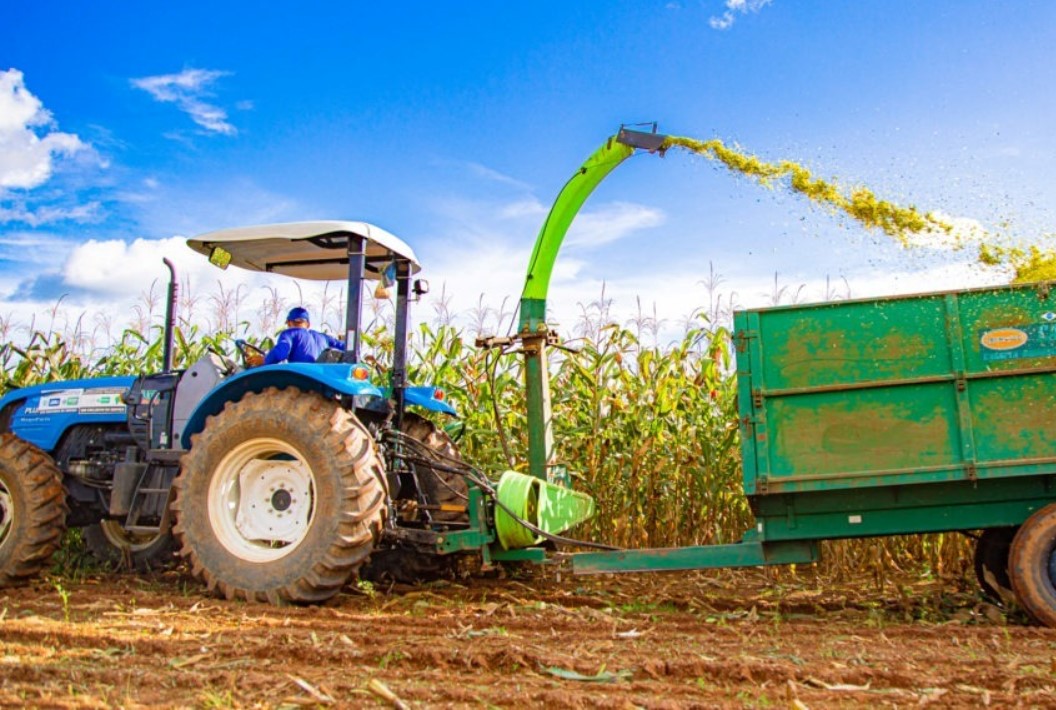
(421,287)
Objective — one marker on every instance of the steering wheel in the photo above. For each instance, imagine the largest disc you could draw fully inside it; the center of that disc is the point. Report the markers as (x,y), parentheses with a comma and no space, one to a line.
(248,351)
(229,365)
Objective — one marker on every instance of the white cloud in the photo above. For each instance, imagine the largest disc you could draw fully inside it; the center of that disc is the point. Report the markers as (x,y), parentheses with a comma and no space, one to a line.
(733,9)
(188,91)
(495,176)
(611,223)
(33,249)
(106,285)
(496,242)
(965,232)
(29,144)
(520,209)
(49,214)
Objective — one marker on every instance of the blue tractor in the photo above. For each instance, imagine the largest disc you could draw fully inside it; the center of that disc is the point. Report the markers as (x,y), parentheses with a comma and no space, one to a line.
(274,483)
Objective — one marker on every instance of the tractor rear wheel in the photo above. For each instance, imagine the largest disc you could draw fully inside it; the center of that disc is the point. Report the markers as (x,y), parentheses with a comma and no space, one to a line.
(991,564)
(281,498)
(32,509)
(115,547)
(1032,566)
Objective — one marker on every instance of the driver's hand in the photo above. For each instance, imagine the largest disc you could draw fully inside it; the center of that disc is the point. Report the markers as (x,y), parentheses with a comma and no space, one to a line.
(254,359)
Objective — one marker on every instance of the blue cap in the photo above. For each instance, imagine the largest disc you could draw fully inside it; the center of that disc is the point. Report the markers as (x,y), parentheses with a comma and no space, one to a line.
(298,313)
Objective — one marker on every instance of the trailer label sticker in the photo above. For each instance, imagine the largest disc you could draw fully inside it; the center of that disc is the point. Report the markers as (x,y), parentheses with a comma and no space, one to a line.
(99,400)
(1024,341)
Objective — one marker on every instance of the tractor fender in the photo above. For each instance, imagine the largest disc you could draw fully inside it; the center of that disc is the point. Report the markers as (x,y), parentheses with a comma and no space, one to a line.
(326,379)
(425,397)
(42,413)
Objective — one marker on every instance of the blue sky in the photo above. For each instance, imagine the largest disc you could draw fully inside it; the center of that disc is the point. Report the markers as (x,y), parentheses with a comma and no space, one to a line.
(454,125)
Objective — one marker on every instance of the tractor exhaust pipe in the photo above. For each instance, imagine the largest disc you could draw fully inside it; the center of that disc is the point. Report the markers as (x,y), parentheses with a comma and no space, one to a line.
(170,319)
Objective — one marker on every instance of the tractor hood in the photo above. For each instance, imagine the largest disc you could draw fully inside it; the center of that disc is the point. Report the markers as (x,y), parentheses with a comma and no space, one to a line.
(305,250)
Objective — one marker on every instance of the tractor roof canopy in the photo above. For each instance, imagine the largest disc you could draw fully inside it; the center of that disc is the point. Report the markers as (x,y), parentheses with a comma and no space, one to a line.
(303,250)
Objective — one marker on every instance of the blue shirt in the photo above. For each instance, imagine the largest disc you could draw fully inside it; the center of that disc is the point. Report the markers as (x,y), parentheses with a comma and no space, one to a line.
(300,345)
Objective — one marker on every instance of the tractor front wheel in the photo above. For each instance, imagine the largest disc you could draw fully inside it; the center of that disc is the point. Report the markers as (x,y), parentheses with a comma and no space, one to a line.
(32,509)
(281,498)
(444,490)
(447,495)
(1032,566)
(115,547)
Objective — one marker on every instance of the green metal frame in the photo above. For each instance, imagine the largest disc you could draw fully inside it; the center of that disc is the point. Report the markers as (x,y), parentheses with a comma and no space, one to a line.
(930,370)
(532,329)
(480,537)
(750,553)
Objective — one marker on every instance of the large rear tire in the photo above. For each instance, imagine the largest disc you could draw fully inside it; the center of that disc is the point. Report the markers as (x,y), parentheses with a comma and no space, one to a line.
(1032,566)
(281,498)
(32,510)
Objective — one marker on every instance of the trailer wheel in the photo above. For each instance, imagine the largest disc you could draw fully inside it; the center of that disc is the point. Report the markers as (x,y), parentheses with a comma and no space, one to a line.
(991,564)
(115,547)
(32,509)
(439,487)
(1032,566)
(280,499)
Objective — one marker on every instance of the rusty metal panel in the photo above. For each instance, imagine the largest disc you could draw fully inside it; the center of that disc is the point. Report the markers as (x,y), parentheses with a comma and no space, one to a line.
(852,431)
(906,390)
(855,342)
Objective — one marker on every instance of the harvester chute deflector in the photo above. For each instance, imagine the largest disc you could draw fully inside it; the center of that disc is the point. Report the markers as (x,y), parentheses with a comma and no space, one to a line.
(550,508)
(532,328)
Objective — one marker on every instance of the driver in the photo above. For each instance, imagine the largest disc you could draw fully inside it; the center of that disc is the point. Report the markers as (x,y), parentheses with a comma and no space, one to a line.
(298,343)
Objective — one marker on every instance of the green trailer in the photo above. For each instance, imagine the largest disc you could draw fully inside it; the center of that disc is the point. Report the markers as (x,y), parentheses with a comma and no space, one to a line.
(914,414)
(903,415)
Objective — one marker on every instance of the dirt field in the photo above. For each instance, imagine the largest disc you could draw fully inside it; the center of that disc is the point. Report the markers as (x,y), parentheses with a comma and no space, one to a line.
(668,641)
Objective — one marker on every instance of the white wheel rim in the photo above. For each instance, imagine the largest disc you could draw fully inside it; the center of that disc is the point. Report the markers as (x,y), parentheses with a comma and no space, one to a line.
(7,512)
(261,500)
(121,539)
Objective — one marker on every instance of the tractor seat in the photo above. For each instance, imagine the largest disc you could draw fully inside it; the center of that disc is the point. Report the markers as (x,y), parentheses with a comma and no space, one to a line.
(332,356)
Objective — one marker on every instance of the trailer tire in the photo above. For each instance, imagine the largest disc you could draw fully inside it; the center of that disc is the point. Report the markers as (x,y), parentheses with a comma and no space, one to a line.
(325,511)
(109,543)
(32,510)
(991,564)
(1032,566)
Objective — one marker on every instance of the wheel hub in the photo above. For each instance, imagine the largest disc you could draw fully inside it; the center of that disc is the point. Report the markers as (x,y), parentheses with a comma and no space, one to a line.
(7,512)
(274,502)
(281,500)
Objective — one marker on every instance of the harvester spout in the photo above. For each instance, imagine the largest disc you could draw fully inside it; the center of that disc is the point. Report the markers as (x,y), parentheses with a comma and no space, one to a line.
(653,142)
(533,331)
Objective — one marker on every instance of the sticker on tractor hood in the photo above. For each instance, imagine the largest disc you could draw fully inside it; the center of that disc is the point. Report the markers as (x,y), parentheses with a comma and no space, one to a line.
(98,400)
(1018,342)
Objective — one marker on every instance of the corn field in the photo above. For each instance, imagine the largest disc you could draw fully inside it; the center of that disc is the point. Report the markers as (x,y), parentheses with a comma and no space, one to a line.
(649,430)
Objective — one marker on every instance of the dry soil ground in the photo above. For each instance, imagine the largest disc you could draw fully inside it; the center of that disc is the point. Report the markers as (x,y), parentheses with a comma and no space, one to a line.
(665,641)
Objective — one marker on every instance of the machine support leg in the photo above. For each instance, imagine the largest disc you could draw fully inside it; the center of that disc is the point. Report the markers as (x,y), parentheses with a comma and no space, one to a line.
(540,429)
